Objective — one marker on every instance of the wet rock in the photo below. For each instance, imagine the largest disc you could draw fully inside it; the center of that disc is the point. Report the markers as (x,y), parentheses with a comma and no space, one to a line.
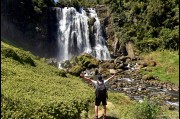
(140,66)
(76,70)
(52,61)
(128,60)
(66,64)
(119,66)
(113,86)
(119,70)
(151,63)
(145,77)
(142,63)
(166,97)
(107,65)
(125,89)
(171,107)
(112,71)
(148,69)
(176,88)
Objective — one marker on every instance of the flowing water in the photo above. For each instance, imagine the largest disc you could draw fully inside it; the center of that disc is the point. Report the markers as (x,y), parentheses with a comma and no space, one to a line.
(73,34)
(138,90)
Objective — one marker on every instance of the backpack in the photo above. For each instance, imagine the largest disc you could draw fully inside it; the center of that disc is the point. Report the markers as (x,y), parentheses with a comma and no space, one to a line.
(101,92)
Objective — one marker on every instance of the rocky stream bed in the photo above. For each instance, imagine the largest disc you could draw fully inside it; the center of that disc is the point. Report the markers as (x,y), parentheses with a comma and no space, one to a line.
(137,88)
(128,80)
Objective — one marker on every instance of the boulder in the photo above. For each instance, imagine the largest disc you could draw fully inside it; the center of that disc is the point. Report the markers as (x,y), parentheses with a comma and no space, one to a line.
(107,65)
(130,49)
(76,70)
(112,71)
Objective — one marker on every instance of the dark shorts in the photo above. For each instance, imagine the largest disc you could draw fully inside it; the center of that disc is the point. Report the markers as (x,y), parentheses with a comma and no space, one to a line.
(99,100)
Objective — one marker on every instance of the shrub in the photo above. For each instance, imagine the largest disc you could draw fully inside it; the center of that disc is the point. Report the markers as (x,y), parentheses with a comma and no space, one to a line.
(146,110)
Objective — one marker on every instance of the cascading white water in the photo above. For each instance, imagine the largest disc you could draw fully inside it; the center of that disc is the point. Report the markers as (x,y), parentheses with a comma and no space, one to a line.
(101,51)
(73,34)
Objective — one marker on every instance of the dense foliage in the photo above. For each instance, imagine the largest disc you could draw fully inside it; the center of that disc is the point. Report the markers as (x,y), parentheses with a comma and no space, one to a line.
(152,24)
(33,89)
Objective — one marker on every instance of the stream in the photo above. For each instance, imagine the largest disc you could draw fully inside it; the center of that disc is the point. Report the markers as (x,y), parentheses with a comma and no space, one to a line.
(137,90)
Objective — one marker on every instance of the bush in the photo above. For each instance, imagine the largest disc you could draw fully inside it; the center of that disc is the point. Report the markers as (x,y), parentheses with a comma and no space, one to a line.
(149,44)
(146,110)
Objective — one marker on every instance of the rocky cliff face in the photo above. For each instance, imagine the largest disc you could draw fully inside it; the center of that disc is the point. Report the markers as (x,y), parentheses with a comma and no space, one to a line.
(23,27)
(115,47)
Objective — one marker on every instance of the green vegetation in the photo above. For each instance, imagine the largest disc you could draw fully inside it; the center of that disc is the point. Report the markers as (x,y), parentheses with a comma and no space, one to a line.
(146,110)
(121,107)
(167,68)
(152,24)
(33,89)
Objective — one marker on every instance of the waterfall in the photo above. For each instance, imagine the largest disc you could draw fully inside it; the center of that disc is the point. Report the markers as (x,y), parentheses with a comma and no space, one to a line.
(73,35)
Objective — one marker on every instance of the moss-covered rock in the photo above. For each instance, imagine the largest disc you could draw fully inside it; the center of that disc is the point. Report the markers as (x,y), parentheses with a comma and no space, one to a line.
(91,21)
(66,64)
(76,70)
(87,61)
(74,60)
(107,65)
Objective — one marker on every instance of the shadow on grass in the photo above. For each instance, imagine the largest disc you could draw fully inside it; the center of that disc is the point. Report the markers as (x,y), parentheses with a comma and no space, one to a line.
(108,117)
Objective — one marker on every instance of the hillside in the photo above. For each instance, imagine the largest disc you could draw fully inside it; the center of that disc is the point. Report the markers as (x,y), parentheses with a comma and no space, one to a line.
(31,88)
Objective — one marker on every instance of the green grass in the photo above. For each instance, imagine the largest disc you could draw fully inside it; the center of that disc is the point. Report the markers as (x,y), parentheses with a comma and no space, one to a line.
(167,68)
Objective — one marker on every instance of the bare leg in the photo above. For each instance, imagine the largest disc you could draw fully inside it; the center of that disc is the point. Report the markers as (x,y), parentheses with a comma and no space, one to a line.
(96,110)
(104,110)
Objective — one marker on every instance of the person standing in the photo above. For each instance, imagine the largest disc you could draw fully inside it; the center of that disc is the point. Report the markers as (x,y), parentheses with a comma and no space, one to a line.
(101,92)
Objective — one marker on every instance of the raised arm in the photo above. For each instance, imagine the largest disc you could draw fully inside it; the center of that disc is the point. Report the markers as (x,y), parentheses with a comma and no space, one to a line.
(110,77)
(88,79)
